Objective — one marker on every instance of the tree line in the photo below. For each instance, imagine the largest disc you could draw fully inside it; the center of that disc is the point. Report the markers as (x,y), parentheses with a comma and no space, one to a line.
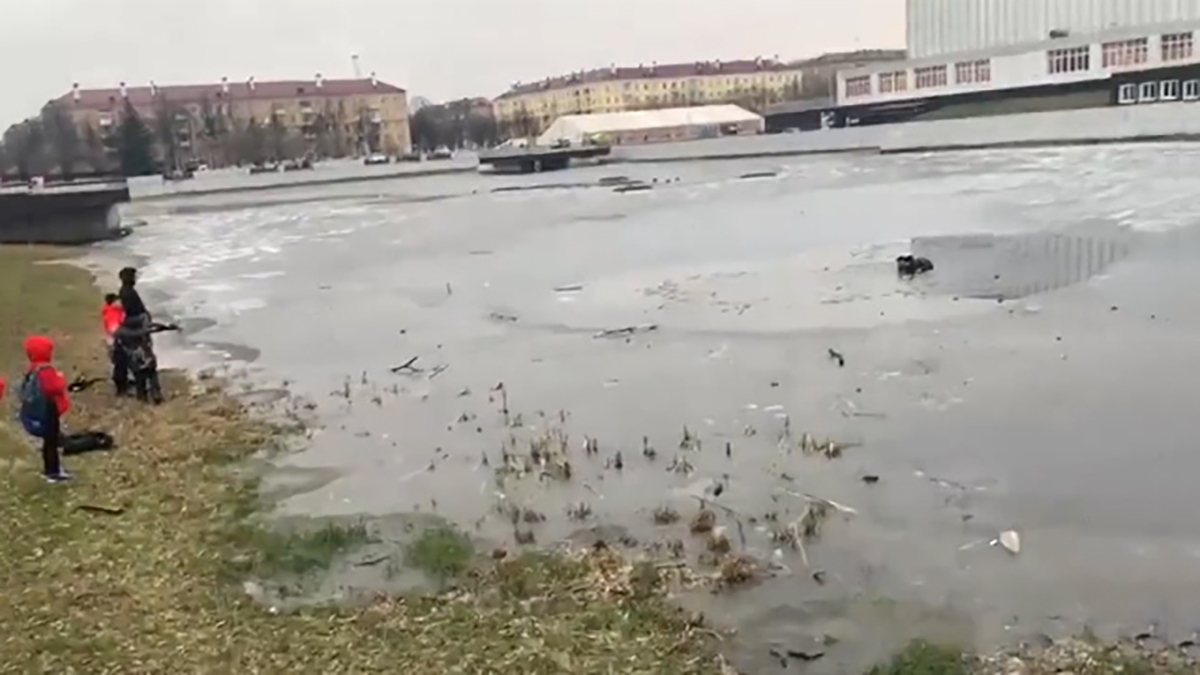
(51,144)
(465,123)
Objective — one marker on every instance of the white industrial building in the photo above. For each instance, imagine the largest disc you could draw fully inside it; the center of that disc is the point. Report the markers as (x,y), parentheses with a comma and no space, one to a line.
(937,27)
(1030,55)
(653,126)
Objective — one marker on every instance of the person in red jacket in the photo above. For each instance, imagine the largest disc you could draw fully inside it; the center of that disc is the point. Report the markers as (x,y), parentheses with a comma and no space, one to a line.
(44,402)
(113,315)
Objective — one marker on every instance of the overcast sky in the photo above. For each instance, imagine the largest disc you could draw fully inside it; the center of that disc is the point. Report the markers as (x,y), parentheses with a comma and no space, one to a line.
(434,48)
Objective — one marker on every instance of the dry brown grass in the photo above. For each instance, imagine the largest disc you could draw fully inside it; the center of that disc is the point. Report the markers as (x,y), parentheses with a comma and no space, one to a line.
(153,590)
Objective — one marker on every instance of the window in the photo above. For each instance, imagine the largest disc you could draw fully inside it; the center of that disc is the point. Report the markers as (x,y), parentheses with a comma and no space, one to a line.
(1125,53)
(1176,46)
(858,86)
(1127,94)
(971,72)
(1168,90)
(892,82)
(1148,92)
(930,76)
(1072,60)
(1191,90)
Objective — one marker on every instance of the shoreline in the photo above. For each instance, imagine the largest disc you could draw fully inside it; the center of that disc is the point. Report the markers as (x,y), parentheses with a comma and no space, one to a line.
(316,182)
(244,552)
(173,574)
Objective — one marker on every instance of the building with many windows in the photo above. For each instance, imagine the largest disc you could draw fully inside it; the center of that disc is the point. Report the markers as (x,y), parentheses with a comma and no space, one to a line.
(206,121)
(973,57)
(529,109)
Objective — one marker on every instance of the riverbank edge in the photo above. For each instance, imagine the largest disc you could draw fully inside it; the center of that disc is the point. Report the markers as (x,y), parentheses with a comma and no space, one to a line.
(316,182)
(137,565)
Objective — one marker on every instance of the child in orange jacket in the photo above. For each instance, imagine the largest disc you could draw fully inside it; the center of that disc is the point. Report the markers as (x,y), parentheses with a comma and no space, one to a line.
(44,402)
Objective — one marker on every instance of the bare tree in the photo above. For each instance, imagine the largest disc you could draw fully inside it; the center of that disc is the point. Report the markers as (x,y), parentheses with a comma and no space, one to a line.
(166,126)
(62,138)
(94,149)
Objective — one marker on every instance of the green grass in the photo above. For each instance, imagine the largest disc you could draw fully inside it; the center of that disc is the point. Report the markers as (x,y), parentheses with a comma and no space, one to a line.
(923,658)
(444,553)
(299,553)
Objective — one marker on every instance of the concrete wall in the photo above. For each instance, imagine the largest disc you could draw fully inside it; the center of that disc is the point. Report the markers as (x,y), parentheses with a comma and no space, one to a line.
(68,220)
(1166,121)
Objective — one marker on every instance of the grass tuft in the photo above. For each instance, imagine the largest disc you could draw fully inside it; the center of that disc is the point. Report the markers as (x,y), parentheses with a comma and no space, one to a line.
(444,553)
(298,553)
(924,658)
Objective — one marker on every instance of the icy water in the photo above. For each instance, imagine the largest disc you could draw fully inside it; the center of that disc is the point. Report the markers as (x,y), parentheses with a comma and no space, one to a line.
(1039,379)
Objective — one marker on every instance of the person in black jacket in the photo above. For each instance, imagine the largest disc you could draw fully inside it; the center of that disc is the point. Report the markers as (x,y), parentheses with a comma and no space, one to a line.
(134,341)
(131,300)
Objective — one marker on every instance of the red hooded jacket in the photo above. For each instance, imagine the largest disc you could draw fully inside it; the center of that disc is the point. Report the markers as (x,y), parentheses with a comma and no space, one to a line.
(1,388)
(113,316)
(40,350)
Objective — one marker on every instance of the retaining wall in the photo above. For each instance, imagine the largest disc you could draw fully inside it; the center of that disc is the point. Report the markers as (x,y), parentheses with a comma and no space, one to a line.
(60,217)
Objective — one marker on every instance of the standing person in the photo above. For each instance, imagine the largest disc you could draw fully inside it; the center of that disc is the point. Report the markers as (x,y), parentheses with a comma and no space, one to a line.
(43,403)
(133,340)
(131,300)
(133,337)
(112,316)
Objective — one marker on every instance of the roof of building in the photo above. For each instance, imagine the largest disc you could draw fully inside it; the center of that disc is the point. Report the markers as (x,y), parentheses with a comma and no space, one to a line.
(238,91)
(573,127)
(667,70)
(858,56)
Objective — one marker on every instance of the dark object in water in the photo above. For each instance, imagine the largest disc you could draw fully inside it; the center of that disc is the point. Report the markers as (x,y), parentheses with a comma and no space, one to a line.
(908,266)
(870,479)
(841,360)
(758,174)
(634,187)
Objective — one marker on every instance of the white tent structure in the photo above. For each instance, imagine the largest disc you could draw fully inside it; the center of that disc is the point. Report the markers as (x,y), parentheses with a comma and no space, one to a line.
(637,126)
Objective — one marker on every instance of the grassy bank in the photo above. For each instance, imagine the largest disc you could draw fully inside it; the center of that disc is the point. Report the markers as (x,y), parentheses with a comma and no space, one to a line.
(154,585)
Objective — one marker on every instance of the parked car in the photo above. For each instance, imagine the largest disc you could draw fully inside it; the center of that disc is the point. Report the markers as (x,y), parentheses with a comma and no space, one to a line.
(442,152)
(377,158)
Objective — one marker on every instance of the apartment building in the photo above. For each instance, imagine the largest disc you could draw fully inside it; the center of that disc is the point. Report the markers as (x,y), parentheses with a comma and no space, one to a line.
(528,109)
(352,116)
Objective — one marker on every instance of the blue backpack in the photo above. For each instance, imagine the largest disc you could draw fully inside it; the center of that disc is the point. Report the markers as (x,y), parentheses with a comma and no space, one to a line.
(36,410)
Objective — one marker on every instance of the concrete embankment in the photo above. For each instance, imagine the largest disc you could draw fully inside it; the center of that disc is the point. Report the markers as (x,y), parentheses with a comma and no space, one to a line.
(1167,122)
(234,181)
(61,215)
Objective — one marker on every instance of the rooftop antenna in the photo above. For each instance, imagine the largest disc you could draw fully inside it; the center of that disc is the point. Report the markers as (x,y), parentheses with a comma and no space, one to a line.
(357,68)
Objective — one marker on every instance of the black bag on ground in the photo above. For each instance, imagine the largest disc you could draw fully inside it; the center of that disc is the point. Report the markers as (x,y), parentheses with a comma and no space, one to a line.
(86,441)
